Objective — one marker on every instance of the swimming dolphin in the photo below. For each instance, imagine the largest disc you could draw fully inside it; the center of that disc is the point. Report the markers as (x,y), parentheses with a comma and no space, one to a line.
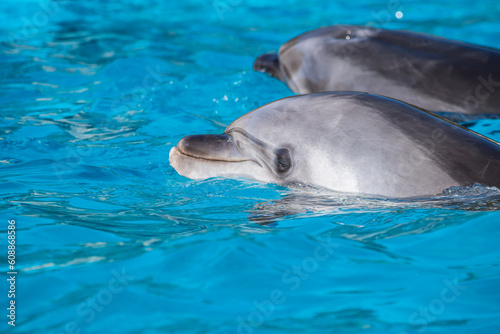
(344,141)
(430,72)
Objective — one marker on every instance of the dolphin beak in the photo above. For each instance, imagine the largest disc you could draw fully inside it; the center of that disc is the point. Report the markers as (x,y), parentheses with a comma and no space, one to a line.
(268,63)
(211,147)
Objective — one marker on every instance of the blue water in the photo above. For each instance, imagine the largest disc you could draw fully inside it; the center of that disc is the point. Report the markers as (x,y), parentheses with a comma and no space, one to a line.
(110,239)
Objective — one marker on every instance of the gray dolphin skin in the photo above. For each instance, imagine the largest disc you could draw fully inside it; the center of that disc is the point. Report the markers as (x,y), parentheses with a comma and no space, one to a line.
(430,72)
(344,141)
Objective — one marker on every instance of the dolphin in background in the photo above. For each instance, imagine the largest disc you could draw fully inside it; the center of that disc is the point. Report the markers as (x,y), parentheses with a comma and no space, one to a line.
(433,73)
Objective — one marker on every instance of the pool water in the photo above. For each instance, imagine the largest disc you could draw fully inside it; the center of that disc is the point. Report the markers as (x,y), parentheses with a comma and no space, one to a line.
(110,239)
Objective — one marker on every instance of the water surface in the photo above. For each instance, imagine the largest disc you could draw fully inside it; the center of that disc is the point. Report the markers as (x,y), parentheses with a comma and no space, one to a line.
(112,240)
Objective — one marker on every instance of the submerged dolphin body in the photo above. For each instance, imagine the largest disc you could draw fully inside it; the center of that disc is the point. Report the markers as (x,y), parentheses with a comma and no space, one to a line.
(431,72)
(344,141)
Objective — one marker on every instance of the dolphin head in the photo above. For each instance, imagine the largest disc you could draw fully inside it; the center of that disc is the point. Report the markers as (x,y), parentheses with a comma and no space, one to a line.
(268,144)
(323,60)
(231,154)
(295,140)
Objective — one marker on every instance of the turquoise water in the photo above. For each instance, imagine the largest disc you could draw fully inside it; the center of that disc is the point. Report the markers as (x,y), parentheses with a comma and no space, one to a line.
(110,239)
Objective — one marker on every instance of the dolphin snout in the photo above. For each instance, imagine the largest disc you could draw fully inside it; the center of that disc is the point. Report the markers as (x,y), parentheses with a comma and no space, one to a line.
(268,63)
(210,147)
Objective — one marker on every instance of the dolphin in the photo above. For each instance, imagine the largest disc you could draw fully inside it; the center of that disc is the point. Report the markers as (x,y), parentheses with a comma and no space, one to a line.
(427,71)
(348,142)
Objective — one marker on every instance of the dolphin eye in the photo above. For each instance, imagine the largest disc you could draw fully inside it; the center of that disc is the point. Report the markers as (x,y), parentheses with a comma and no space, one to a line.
(283,161)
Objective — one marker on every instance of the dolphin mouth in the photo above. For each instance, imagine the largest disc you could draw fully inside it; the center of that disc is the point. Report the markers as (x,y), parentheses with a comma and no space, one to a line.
(210,147)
